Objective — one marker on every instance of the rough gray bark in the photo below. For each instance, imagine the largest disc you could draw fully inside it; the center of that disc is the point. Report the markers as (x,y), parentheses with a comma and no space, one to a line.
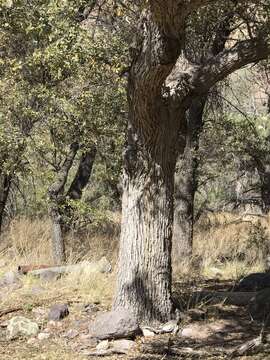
(160,90)
(144,274)
(186,184)
(54,193)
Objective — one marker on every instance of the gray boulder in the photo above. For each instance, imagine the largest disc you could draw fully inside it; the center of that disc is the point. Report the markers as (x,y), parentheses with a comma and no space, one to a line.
(254,282)
(58,312)
(115,324)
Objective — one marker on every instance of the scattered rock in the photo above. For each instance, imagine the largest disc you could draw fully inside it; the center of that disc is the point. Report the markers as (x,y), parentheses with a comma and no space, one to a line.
(43,336)
(103,345)
(254,282)
(105,348)
(148,331)
(123,346)
(169,327)
(58,312)
(21,326)
(259,306)
(114,325)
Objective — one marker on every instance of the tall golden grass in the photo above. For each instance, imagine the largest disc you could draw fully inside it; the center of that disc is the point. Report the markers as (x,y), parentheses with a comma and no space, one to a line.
(225,244)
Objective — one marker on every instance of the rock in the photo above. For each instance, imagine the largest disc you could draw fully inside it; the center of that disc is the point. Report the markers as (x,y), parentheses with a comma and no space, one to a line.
(21,326)
(114,325)
(103,345)
(169,327)
(43,336)
(105,348)
(254,282)
(123,346)
(58,312)
(11,279)
(148,331)
(259,306)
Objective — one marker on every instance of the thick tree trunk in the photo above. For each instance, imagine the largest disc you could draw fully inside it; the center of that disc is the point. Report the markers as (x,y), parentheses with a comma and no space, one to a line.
(186,184)
(54,193)
(144,276)
(5,187)
(144,269)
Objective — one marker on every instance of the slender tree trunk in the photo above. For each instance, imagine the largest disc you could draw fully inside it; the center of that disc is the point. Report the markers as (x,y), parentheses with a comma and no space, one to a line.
(83,174)
(77,186)
(6,183)
(55,193)
(186,184)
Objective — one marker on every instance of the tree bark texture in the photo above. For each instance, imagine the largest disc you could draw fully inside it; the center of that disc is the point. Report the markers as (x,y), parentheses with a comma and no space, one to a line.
(144,269)
(186,184)
(54,193)
(160,90)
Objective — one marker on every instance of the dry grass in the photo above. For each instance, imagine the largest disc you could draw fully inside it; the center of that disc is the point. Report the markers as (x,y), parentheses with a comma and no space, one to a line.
(232,245)
(225,245)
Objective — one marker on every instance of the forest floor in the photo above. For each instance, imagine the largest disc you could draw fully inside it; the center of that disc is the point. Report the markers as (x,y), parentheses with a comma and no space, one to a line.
(211,331)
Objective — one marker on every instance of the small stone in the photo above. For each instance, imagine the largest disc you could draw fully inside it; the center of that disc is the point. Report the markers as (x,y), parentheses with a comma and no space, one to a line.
(147,331)
(115,324)
(169,327)
(123,346)
(58,312)
(103,345)
(43,336)
(21,326)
